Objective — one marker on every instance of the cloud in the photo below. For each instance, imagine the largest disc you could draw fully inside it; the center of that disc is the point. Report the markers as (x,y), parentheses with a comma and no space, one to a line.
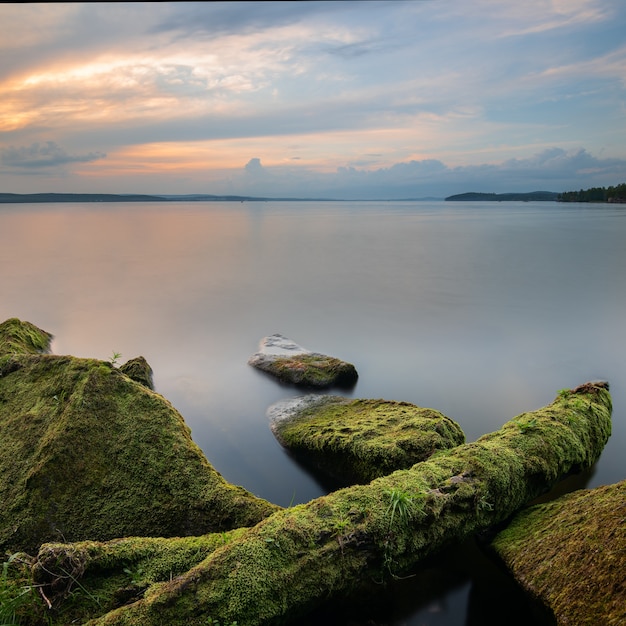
(416,95)
(559,164)
(226,18)
(254,167)
(553,169)
(47,154)
(562,14)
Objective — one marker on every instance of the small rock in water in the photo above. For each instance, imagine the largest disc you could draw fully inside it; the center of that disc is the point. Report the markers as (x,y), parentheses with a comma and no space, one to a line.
(291,363)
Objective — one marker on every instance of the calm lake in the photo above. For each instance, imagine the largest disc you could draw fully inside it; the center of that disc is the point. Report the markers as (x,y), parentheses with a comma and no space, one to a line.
(480,310)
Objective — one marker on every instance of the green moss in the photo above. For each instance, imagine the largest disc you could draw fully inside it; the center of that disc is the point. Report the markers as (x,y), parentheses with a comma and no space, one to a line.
(88,453)
(359,440)
(17,337)
(87,579)
(310,370)
(20,338)
(138,370)
(571,554)
(298,557)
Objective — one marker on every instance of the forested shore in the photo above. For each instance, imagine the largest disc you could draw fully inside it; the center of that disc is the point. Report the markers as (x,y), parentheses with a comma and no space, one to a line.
(596,194)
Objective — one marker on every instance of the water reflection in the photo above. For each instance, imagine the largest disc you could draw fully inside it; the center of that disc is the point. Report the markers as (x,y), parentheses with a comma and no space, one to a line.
(459,586)
(480,311)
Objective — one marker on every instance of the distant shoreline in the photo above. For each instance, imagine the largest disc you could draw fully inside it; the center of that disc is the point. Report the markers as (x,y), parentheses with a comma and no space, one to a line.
(18,198)
(534,196)
(40,198)
(32,198)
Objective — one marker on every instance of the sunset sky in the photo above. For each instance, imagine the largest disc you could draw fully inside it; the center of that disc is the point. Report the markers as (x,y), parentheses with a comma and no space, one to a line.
(313,99)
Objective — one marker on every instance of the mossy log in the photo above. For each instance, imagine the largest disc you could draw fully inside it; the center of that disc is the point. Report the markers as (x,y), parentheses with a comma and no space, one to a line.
(299,557)
(88,453)
(90,578)
(571,555)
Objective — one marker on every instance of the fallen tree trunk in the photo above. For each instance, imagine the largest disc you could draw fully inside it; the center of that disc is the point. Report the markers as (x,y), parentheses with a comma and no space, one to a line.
(299,557)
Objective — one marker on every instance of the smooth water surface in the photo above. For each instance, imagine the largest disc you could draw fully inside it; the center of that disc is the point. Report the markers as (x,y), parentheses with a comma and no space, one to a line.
(480,310)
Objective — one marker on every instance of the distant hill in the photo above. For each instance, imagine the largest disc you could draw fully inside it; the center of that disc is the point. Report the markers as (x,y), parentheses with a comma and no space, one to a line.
(535,196)
(77,197)
(12,198)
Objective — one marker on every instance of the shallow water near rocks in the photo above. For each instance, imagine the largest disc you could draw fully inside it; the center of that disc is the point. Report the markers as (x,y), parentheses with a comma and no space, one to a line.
(479,310)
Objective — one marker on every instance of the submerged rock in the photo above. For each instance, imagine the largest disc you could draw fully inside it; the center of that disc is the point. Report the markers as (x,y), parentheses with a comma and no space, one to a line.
(88,453)
(359,440)
(571,554)
(291,363)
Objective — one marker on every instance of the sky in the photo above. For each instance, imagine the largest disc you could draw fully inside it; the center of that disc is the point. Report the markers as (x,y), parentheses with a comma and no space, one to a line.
(346,100)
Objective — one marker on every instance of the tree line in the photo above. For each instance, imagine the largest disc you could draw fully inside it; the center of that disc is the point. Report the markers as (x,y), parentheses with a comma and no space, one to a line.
(595,194)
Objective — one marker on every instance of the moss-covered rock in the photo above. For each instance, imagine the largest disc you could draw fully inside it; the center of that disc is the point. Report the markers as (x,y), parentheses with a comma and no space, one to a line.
(571,554)
(17,337)
(298,557)
(88,453)
(359,440)
(139,370)
(293,364)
